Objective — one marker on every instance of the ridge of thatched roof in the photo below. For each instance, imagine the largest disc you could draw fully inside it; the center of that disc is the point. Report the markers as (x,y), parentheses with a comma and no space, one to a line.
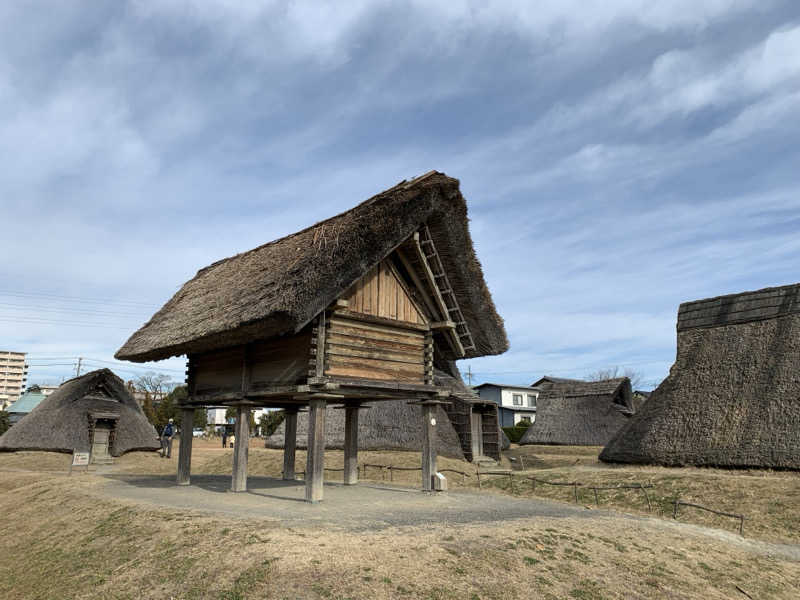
(581,413)
(60,422)
(731,399)
(277,288)
(570,388)
(745,307)
(547,380)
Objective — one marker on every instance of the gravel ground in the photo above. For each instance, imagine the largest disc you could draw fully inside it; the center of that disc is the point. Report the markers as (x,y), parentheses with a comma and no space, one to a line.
(373,507)
(366,506)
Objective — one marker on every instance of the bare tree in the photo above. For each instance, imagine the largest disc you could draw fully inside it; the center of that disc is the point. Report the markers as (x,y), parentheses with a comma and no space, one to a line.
(154,384)
(614,372)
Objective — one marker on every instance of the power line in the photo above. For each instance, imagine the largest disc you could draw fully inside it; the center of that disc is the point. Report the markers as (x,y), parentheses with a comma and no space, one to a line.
(77,298)
(30,321)
(116,362)
(65,309)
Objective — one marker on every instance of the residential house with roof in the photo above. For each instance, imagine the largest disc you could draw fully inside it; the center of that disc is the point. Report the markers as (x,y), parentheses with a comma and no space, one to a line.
(29,400)
(514,403)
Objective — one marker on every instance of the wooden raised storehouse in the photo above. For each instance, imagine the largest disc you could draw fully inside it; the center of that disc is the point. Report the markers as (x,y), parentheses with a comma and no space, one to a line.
(363,306)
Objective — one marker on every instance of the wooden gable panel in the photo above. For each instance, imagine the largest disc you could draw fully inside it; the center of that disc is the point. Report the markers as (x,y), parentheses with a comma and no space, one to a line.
(380,293)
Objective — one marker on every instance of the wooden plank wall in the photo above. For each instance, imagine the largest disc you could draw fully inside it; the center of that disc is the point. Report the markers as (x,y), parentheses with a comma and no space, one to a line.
(361,349)
(380,293)
(279,361)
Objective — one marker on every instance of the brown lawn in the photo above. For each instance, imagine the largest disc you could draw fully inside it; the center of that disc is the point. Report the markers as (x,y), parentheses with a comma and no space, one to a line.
(59,539)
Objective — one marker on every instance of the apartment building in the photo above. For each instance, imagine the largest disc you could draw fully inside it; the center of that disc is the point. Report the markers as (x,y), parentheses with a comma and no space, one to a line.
(13,376)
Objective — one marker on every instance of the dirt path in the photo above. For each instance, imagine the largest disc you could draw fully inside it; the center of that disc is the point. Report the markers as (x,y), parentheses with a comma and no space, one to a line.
(373,507)
(367,506)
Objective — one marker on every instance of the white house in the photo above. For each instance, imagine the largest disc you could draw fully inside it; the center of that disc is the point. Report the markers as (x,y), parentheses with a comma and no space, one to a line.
(515,403)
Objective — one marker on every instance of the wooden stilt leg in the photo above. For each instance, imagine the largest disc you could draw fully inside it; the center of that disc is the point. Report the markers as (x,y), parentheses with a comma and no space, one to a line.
(185,448)
(289,444)
(316,450)
(428,446)
(239,477)
(351,445)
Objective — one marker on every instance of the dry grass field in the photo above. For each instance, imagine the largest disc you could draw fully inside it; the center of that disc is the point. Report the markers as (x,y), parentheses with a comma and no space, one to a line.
(60,539)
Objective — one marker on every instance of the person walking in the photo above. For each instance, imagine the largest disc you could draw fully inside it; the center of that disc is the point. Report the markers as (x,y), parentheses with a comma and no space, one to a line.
(166,439)
(224,437)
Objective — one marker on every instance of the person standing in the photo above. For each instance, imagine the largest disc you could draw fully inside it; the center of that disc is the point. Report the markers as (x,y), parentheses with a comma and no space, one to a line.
(166,439)
(224,436)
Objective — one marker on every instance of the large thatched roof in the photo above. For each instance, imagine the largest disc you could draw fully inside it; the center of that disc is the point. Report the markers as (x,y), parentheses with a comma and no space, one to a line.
(732,398)
(580,413)
(61,421)
(279,287)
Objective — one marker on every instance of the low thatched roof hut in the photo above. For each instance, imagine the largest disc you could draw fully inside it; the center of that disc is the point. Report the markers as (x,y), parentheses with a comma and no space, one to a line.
(580,413)
(732,398)
(390,425)
(393,425)
(72,418)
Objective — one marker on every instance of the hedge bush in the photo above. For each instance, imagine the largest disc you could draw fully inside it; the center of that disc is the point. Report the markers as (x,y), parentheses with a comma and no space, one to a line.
(515,433)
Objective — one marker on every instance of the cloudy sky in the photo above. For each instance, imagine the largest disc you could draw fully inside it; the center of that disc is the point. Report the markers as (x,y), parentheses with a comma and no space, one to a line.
(618,157)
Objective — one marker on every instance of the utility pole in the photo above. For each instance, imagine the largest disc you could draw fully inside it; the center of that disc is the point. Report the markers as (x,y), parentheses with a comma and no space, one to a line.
(78,367)
(469,375)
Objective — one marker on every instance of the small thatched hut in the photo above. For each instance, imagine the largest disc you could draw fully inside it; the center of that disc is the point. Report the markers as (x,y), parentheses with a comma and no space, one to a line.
(732,398)
(394,425)
(358,308)
(580,413)
(391,425)
(91,413)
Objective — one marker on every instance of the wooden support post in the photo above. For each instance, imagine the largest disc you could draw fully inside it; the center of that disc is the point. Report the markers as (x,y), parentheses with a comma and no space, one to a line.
(289,444)
(239,477)
(316,450)
(351,444)
(428,446)
(185,449)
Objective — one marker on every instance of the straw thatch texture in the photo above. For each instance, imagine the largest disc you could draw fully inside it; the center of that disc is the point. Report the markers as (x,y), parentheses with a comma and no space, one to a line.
(61,421)
(580,413)
(732,398)
(279,287)
(386,425)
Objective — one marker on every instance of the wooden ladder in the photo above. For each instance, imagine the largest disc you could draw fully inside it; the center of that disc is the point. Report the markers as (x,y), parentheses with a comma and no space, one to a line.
(443,285)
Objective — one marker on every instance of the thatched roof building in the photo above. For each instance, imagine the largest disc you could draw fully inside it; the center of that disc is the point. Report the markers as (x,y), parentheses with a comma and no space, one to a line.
(67,419)
(580,413)
(732,398)
(390,425)
(358,308)
(394,424)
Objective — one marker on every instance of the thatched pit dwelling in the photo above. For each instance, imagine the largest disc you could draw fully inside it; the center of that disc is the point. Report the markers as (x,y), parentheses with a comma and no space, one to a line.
(361,307)
(732,398)
(394,425)
(91,413)
(579,413)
